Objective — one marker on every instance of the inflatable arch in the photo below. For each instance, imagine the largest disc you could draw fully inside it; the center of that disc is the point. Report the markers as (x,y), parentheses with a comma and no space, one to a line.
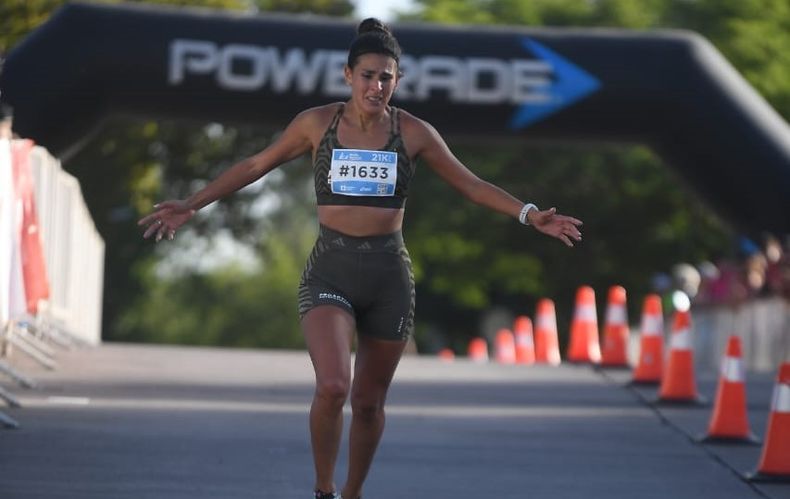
(669,89)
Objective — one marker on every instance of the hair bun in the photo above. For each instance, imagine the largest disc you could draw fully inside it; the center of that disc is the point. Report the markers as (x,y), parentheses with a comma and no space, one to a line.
(372,25)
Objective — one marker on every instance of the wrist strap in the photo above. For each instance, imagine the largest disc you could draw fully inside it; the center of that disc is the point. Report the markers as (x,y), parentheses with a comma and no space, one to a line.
(522,217)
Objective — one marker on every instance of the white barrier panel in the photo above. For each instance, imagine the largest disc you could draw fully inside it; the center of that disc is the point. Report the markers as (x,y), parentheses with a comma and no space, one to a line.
(12,292)
(6,230)
(763,325)
(73,250)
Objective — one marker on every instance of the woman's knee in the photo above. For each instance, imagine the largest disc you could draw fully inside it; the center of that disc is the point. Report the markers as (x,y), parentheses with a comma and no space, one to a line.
(333,390)
(367,406)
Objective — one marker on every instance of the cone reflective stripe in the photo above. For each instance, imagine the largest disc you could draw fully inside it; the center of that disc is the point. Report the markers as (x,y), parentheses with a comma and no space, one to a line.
(680,340)
(505,345)
(616,333)
(651,343)
(547,348)
(586,313)
(478,350)
(729,421)
(678,383)
(652,324)
(584,346)
(781,399)
(616,314)
(775,458)
(732,370)
(547,320)
(525,344)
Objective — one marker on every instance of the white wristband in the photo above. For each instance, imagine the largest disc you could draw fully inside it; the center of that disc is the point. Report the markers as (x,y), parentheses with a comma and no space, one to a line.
(522,217)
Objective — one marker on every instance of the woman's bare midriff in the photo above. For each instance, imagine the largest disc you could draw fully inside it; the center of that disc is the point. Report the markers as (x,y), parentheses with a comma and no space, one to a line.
(361,220)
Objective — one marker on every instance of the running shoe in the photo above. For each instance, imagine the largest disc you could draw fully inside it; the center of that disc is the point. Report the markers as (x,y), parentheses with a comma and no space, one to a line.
(327,495)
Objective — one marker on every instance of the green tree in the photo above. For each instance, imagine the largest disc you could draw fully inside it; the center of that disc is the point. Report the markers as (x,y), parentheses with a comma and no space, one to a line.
(324,7)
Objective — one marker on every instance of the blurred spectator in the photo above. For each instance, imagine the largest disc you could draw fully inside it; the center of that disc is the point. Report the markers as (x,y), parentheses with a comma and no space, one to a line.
(754,265)
(687,279)
(775,259)
(730,287)
(747,293)
(709,274)
(784,270)
(755,269)
(757,272)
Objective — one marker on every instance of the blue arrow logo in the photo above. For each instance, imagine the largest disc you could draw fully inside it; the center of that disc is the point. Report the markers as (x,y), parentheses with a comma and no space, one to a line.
(571,84)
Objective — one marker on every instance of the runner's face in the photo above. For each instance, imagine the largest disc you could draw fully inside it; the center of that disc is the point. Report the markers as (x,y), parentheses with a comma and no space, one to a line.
(373,80)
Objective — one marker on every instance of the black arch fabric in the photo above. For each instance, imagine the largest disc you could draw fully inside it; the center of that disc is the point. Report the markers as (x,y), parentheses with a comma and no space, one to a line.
(669,89)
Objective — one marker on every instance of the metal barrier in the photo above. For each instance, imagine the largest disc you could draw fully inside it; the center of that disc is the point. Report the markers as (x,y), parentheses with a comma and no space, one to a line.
(763,324)
(73,259)
(73,249)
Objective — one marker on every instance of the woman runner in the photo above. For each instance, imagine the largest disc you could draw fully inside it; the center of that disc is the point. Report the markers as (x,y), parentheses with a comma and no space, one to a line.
(358,278)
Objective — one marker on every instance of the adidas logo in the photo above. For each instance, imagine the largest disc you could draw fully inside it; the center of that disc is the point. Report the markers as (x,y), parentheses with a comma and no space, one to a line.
(339,242)
(365,246)
(391,242)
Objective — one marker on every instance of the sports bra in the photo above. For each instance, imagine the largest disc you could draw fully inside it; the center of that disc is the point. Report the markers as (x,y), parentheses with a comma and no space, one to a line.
(323,163)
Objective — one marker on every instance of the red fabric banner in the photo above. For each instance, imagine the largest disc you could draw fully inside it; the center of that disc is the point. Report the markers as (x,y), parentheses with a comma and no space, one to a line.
(34,269)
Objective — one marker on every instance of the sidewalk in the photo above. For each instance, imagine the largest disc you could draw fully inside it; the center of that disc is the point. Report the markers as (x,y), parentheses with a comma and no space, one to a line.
(139,421)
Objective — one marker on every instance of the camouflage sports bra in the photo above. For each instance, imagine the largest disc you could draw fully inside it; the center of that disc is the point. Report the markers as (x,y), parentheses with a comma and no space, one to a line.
(375,174)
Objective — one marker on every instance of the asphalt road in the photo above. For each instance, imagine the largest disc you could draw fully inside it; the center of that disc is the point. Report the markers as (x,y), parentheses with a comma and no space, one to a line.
(151,422)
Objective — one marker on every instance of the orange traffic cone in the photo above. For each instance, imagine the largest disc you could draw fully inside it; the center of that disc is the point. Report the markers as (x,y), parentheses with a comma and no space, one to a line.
(525,344)
(584,345)
(729,422)
(505,351)
(651,343)
(547,349)
(678,383)
(775,460)
(478,350)
(446,355)
(616,333)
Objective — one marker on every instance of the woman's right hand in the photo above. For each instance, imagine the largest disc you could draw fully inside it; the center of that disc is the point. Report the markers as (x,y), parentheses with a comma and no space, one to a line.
(168,217)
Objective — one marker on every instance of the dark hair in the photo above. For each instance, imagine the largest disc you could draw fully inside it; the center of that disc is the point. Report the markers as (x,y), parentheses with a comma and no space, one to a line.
(373,37)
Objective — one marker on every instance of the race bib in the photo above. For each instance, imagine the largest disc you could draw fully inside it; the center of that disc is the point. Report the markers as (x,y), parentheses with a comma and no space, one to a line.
(358,172)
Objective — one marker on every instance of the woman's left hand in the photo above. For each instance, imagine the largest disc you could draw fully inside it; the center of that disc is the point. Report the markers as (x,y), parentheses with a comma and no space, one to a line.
(563,227)
(169,216)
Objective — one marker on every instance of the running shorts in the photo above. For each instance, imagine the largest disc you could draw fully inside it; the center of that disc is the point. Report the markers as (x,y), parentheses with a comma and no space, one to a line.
(370,277)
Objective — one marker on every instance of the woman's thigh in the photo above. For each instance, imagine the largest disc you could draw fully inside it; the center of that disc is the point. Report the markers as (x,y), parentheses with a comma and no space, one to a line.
(328,332)
(374,367)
